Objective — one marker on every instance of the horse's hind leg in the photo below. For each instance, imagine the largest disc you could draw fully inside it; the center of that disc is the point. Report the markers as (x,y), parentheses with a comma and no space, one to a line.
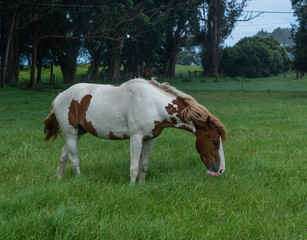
(69,151)
(72,145)
(63,160)
(146,150)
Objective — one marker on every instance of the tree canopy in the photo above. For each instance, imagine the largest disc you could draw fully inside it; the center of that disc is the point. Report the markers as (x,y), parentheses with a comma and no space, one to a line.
(255,57)
(144,38)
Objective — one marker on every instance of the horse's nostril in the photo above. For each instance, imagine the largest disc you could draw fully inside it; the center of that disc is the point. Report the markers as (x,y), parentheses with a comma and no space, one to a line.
(214,168)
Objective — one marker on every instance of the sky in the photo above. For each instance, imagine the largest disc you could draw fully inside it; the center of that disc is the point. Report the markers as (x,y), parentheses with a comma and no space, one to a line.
(266,21)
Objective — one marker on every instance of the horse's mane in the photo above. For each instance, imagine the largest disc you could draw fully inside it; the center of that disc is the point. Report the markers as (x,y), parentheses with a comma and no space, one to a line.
(193,110)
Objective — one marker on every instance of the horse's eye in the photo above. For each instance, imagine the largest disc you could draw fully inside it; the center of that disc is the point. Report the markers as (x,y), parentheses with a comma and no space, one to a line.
(215,143)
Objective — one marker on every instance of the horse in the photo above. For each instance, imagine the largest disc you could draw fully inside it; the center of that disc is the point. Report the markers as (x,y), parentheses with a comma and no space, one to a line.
(137,110)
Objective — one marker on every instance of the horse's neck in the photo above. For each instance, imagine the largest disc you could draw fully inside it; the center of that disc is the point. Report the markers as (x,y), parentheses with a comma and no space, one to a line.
(186,126)
(173,117)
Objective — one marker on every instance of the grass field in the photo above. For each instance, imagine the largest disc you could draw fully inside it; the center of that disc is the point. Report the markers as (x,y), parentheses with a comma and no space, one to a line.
(262,194)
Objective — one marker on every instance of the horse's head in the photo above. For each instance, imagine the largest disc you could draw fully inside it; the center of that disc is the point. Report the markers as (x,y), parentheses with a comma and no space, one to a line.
(210,148)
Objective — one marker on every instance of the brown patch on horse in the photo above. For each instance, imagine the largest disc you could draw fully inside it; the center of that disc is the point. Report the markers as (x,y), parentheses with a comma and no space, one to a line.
(159,126)
(77,115)
(171,109)
(116,85)
(113,137)
(176,107)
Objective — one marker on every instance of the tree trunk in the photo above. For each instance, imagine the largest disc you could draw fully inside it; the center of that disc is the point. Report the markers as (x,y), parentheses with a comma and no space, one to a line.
(7,47)
(171,64)
(115,63)
(67,54)
(138,70)
(93,70)
(12,71)
(51,73)
(212,39)
(150,69)
(174,40)
(215,42)
(69,70)
(39,71)
(34,58)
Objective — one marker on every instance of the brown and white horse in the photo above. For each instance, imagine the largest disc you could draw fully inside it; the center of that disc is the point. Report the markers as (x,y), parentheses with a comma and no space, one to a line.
(137,110)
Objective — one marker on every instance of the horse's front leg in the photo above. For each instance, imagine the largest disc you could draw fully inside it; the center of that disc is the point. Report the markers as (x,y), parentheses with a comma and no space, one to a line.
(146,150)
(135,153)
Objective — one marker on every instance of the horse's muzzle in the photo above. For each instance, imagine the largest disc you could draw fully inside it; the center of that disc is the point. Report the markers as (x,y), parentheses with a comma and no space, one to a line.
(216,174)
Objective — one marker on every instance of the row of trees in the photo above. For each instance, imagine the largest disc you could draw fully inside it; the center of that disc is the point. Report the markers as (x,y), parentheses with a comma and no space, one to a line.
(138,35)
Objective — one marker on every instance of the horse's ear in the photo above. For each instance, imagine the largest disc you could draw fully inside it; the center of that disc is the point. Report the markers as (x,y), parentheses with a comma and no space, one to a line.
(206,125)
(208,122)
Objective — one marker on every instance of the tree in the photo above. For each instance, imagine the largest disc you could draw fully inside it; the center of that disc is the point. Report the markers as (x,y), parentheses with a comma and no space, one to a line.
(181,24)
(217,22)
(255,57)
(300,35)
(283,35)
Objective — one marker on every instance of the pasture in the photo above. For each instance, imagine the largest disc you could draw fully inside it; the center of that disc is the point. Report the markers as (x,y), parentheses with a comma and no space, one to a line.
(261,195)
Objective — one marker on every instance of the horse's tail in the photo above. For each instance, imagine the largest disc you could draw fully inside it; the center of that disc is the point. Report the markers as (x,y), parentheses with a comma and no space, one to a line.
(52,127)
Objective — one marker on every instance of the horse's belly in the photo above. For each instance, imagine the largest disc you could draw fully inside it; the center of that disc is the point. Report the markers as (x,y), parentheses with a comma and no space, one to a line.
(108,123)
(120,120)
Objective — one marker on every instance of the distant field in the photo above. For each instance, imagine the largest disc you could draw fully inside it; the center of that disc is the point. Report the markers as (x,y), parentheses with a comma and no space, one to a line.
(262,194)
(274,83)
(82,68)
(24,76)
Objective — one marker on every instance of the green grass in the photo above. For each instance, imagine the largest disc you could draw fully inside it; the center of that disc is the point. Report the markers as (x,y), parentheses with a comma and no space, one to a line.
(262,194)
